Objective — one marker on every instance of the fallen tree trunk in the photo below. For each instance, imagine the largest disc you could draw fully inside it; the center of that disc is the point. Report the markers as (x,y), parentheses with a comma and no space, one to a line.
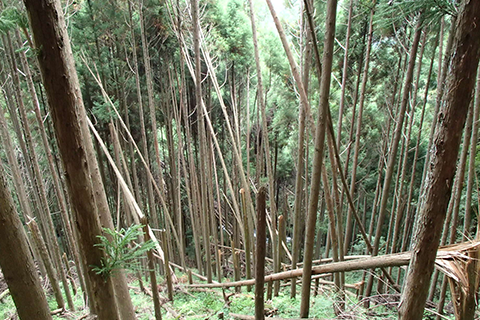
(389,260)
(245,317)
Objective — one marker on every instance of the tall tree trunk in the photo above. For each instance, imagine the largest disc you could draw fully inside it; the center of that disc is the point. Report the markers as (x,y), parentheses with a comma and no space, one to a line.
(443,63)
(265,138)
(45,214)
(344,74)
(202,136)
(68,113)
(304,106)
(143,135)
(408,210)
(400,205)
(471,164)
(349,221)
(16,262)
(394,147)
(20,187)
(56,179)
(318,156)
(260,255)
(442,167)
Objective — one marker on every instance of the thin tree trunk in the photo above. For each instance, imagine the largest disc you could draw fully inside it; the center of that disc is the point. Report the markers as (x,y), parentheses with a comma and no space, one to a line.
(143,134)
(318,155)
(49,266)
(153,277)
(344,75)
(303,108)
(260,255)
(394,148)
(265,138)
(401,204)
(349,221)
(441,79)
(20,188)
(417,147)
(202,136)
(471,164)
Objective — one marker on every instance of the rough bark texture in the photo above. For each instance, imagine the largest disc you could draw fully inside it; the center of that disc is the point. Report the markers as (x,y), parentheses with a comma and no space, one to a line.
(63,90)
(17,263)
(444,156)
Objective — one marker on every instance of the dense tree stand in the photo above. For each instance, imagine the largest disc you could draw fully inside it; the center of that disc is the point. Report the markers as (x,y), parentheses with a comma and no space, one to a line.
(350,113)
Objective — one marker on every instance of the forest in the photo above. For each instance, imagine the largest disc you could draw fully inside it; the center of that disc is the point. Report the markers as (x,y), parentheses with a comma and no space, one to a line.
(239,159)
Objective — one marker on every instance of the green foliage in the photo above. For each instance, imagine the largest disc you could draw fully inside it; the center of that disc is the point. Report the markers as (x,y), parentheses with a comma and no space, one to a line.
(243,303)
(10,18)
(7,308)
(202,303)
(396,11)
(118,252)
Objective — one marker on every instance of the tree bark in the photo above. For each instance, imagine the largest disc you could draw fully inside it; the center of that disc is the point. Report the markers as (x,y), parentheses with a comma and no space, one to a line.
(16,262)
(260,255)
(69,118)
(442,167)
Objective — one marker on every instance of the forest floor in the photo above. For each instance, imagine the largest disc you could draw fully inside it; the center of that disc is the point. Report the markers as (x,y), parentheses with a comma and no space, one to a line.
(198,303)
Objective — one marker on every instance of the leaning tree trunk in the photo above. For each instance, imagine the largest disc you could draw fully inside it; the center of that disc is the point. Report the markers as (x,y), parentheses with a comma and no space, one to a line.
(55,176)
(382,212)
(318,156)
(265,139)
(44,212)
(471,165)
(17,263)
(442,167)
(69,118)
(304,106)
(365,75)
(143,135)
(469,298)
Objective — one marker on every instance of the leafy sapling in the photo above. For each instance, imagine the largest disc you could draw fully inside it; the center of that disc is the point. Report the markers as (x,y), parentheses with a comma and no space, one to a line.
(120,250)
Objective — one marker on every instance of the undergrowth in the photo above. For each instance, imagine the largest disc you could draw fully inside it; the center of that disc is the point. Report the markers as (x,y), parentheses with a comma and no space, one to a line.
(210,304)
